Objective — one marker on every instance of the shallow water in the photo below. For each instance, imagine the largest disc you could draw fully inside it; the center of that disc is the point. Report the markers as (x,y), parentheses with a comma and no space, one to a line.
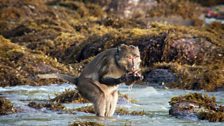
(153,101)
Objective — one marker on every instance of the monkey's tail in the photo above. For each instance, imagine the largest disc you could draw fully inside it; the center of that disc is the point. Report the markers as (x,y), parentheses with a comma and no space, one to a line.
(73,80)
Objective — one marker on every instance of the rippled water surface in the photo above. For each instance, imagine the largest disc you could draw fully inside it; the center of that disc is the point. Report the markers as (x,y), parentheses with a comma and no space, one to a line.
(153,101)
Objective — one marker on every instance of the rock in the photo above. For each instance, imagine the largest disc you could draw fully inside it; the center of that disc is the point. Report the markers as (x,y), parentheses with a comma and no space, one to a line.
(131,8)
(160,77)
(48,105)
(85,123)
(6,106)
(69,96)
(119,111)
(196,106)
(20,65)
(191,50)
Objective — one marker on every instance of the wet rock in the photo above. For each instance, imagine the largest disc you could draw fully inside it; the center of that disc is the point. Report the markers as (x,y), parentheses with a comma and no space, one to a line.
(185,9)
(78,123)
(208,77)
(6,106)
(73,96)
(209,2)
(47,105)
(191,50)
(69,96)
(119,111)
(196,106)
(160,77)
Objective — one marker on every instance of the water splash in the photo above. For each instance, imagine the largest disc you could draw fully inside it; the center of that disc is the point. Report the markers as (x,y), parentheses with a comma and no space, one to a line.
(130,88)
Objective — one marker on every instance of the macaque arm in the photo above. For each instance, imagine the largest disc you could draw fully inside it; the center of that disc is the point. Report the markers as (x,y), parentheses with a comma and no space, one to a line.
(110,81)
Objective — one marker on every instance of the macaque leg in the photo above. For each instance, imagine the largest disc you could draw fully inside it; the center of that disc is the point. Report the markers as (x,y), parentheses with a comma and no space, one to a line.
(100,105)
(111,104)
(95,95)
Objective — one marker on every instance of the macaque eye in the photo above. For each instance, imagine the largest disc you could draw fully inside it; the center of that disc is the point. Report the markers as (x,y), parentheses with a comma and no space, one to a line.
(129,57)
(136,56)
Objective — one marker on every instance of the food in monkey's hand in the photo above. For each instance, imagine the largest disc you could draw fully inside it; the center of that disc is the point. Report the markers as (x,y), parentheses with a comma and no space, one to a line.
(132,77)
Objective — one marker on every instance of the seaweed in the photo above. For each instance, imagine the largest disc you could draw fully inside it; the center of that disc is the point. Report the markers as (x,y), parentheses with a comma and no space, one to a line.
(73,96)
(119,111)
(69,96)
(203,106)
(86,123)
(208,77)
(6,107)
(49,105)
(14,72)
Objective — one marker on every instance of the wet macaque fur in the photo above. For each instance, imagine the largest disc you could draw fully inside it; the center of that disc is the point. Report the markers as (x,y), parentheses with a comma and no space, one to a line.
(99,80)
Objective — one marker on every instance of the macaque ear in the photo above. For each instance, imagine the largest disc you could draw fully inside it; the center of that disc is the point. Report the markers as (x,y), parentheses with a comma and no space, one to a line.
(133,47)
(123,46)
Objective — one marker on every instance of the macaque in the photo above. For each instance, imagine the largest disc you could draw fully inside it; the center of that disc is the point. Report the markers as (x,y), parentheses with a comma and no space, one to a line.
(99,80)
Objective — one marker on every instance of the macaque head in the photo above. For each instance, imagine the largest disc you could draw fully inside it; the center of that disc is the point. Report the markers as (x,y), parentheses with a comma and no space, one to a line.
(129,58)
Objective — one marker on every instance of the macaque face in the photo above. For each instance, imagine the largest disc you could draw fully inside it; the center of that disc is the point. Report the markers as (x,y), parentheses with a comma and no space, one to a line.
(130,58)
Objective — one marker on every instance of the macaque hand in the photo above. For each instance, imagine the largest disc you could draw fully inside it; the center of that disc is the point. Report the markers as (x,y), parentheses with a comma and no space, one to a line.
(131,77)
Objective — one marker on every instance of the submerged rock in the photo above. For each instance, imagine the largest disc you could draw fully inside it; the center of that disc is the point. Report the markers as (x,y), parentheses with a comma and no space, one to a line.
(196,106)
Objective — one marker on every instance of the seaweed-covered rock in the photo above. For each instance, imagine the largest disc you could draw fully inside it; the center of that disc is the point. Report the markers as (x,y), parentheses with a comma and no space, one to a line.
(48,105)
(196,77)
(69,96)
(78,123)
(119,111)
(6,106)
(196,106)
(73,96)
(20,65)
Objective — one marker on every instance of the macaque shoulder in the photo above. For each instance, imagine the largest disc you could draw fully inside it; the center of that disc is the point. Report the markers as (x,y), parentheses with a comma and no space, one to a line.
(112,69)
